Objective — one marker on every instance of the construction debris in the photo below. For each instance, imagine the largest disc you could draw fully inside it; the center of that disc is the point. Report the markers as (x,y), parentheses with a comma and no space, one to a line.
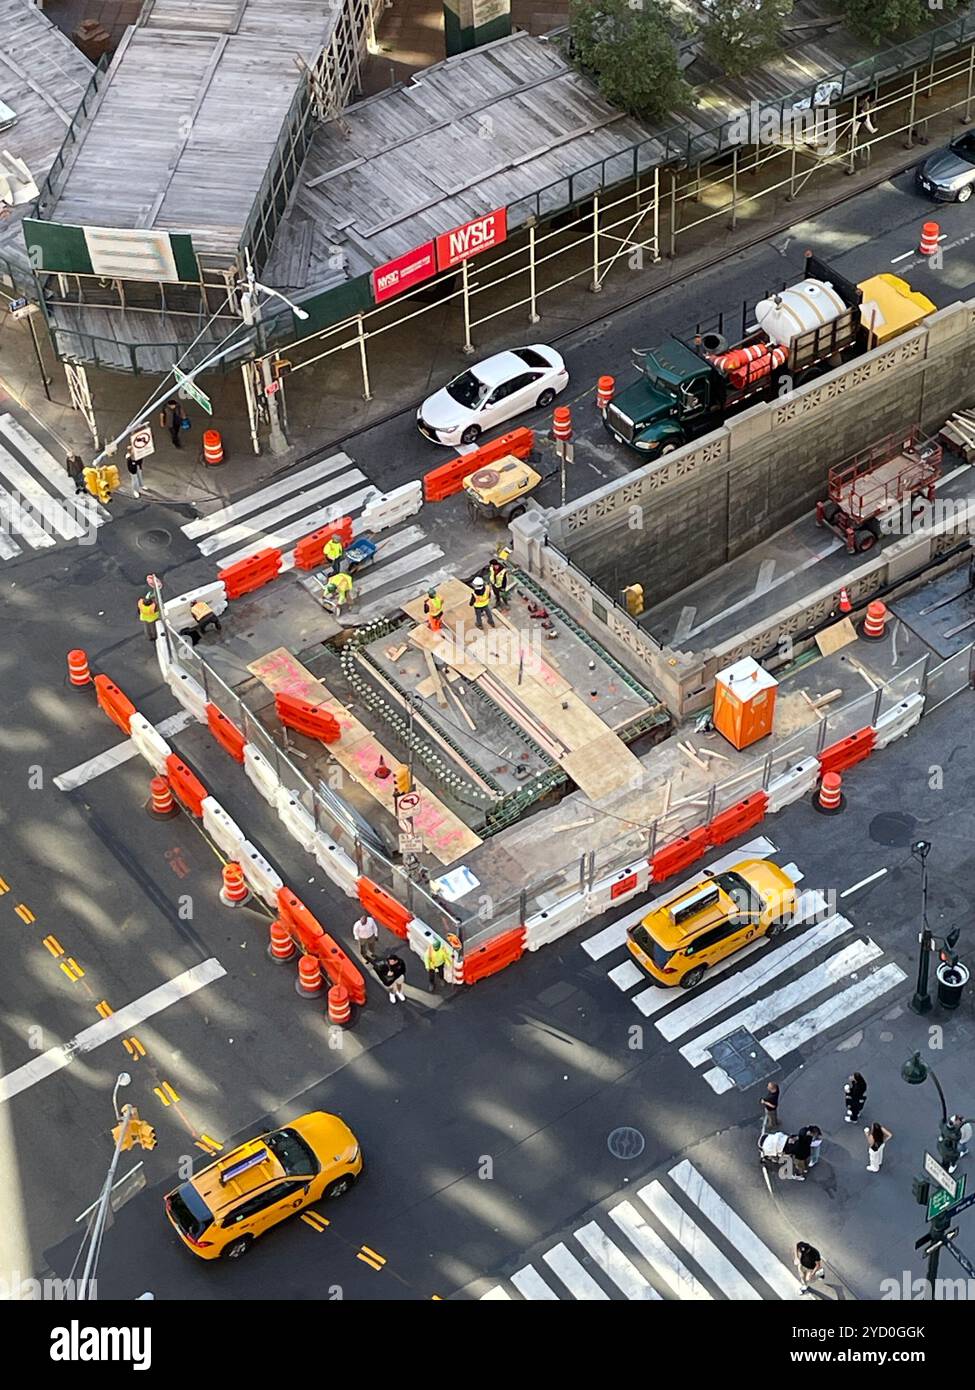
(692,754)
(959,433)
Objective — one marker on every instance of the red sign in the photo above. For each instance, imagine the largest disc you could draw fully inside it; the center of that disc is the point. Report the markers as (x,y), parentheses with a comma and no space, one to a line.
(471,239)
(395,277)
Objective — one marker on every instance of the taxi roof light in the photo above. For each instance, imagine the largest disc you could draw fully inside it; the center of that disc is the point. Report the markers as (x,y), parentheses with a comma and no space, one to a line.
(242,1165)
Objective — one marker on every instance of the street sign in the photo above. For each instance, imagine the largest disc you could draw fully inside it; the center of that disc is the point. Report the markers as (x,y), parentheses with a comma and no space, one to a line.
(941,1175)
(141,442)
(190,388)
(410,844)
(940,1200)
(272,388)
(21,308)
(407,803)
(961,1257)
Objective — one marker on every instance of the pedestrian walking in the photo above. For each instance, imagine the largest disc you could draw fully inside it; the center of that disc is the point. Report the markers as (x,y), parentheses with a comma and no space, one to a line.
(134,466)
(809,1264)
(392,971)
(499,580)
(433,610)
(964,1128)
(334,550)
(816,1143)
(480,601)
(876,1136)
(74,466)
(435,959)
(801,1152)
(149,614)
(855,1091)
(366,934)
(770,1108)
(171,418)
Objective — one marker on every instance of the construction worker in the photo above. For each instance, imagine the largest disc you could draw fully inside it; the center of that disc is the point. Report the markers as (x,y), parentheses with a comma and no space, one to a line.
(334,550)
(204,617)
(499,580)
(434,960)
(433,610)
(504,552)
(339,588)
(480,601)
(149,614)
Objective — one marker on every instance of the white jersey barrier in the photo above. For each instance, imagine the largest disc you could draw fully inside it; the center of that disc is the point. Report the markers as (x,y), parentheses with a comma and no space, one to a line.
(225,833)
(189,692)
(388,508)
(261,773)
(792,784)
(895,723)
(150,743)
(339,867)
(260,877)
(295,819)
(619,888)
(544,927)
(177,610)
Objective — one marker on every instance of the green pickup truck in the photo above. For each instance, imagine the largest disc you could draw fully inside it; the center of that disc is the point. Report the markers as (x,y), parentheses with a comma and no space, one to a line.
(688,387)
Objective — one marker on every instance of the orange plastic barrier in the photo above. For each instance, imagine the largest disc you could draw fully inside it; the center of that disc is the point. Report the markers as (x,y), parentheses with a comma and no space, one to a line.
(251,573)
(738,818)
(449,477)
(226,733)
(310,550)
(302,925)
(678,854)
(379,904)
(340,970)
(488,960)
(117,706)
(839,756)
(306,718)
(187,786)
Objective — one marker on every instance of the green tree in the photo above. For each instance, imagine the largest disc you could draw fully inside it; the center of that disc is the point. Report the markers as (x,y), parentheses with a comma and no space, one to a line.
(880,20)
(740,34)
(629,48)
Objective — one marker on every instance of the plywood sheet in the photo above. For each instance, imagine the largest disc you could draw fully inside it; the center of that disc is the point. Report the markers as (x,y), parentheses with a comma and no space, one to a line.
(832,639)
(454,592)
(597,768)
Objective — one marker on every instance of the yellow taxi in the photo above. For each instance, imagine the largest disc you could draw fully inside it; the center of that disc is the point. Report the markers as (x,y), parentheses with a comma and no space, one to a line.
(704,924)
(224,1208)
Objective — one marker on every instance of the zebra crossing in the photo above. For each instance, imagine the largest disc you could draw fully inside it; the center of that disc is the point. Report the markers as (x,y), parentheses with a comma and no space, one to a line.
(283,511)
(850,975)
(677,1238)
(38,505)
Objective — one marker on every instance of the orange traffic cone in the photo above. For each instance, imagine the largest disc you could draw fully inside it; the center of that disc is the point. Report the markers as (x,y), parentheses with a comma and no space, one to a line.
(845,605)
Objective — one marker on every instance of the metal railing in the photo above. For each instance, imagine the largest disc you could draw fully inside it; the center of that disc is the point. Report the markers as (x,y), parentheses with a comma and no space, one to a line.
(47,192)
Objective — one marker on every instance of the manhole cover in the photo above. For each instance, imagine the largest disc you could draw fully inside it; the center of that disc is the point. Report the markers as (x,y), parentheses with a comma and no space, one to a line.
(893,828)
(744,1058)
(626,1142)
(156,539)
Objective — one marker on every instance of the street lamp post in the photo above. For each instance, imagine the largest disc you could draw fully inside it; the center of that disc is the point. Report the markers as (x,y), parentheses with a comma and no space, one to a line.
(921,1000)
(915,1073)
(105,1196)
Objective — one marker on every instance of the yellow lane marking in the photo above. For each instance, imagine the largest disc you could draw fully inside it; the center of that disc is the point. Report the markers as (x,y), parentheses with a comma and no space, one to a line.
(53,945)
(370,1258)
(4,886)
(24,913)
(134,1048)
(165,1093)
(316,1222)
(435,1298)
(209,1145)
(71,968)
(104,1009)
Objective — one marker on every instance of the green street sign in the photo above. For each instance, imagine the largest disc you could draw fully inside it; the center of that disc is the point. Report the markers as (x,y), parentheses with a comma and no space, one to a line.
(940,1200)
(193,391)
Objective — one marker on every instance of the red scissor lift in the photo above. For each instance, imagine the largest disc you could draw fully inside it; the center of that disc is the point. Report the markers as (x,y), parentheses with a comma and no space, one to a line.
(872,483)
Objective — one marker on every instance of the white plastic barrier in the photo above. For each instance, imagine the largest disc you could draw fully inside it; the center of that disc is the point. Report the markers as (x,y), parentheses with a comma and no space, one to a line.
(339,867)
(150,743)
(601,897)
(225,833)
(895,723)
(177,610)
(547,926)
(260,877)
(790,785)
(295,819)
(388,508)
(261,773)
(162,655)
(188,692)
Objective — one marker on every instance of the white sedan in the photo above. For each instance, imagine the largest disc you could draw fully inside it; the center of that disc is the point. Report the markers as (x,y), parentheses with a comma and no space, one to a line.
(492,392)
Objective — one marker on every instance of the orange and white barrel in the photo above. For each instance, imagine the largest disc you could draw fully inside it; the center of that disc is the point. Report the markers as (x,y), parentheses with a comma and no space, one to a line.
(78,672)
(339,1005)
(309,981)
(830,795)
(873,624)
(212,447)
(930,235)
(281,948)
(605,388)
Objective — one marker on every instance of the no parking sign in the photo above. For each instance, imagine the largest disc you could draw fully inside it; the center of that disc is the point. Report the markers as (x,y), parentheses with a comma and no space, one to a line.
(141,442)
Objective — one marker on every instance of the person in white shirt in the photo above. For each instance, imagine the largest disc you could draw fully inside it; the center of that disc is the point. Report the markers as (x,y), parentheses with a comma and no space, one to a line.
(366,934)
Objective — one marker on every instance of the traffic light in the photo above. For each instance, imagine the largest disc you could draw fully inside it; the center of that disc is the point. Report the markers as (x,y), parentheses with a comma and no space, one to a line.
(102,482)
(146,1135)
(404,779)
(948,1144)
(133,1130)
(110,474)
(90,476)
(922,1191)
(633,598)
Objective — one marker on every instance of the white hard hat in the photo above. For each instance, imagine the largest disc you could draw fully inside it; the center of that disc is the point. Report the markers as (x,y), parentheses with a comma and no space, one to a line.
(477,583)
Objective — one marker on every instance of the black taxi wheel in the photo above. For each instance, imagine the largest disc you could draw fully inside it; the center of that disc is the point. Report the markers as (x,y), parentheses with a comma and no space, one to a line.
(340,1186)
(693,977)
(776,928)
(238,1247)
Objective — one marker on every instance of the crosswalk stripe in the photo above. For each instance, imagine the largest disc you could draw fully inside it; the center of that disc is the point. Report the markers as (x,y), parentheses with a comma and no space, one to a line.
(14,518)
(628,974)
(577,1280)
(264,523)
(421,560)
(530,1284)
(699,1246)
(739,1236)
(812,982)
(254,501)
(614,1264)
(704,1006)
(496,1294)
(8,548)
(848,1001)
(660,1257)
(657,997)
(343,506)
(47,465)
(614,935)
(390,602)
(53,513)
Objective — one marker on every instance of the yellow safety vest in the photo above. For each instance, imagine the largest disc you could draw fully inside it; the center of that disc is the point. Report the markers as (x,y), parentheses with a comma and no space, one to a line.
(434,606)
(333,548)
(482,599)
(341,582)
(435,956)
(148,612)
(498,575)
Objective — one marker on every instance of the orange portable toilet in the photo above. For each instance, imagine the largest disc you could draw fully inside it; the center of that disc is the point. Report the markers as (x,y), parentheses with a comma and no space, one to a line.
(744,702)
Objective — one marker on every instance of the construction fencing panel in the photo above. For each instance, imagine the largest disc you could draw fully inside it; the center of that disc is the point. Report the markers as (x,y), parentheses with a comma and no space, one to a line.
(948,679)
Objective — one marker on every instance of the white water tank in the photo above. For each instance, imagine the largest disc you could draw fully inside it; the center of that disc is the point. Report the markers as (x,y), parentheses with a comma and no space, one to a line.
(810,304)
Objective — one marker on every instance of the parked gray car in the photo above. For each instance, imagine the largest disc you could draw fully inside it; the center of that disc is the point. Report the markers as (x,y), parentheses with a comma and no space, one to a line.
(949,175)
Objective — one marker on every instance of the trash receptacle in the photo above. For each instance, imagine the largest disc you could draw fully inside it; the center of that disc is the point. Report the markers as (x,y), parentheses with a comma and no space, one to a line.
(952,980)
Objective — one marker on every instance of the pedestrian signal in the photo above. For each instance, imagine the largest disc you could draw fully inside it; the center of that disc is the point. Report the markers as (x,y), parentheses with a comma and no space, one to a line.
(404,780)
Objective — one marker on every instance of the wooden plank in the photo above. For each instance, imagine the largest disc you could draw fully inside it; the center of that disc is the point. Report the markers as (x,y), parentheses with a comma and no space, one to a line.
(594,768)
(460,705)
(840,635)
(435,677)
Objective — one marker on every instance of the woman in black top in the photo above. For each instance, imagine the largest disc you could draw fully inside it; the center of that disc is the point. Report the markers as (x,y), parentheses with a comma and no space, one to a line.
(856,1095)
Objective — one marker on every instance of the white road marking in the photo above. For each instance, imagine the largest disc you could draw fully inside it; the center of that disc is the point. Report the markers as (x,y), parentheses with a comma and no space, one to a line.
(835,1009)
(577,1280)
(13,517)
(781,1001)
(48,465)
(738,1235)
(342,506)
(106,1029)
(627,975)
(614,1264)
(497,1294)
(54,514)
(705,1005)
(254,501)
(115,757)
(660,1257)
(8,548)
(264,523)
(422,560)
(863,883)
(699,1246)
(531,1285)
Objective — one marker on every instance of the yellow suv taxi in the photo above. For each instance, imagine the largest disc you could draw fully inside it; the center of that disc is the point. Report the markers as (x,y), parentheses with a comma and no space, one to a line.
(224,1208)
(702,925)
